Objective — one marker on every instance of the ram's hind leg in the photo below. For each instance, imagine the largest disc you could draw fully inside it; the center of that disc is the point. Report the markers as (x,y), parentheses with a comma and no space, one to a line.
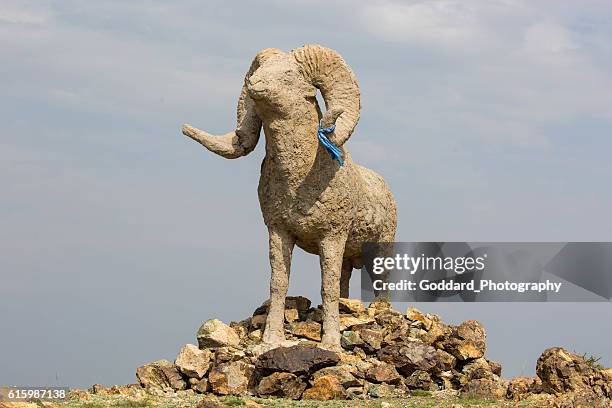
(330,255)
(281,248)
(345,278)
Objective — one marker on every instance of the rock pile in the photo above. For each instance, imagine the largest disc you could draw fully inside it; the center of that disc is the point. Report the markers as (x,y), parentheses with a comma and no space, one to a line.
(384,353)
(564,380)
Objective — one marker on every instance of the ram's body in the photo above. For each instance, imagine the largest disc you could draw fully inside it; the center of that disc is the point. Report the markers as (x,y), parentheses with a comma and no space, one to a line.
(307,198)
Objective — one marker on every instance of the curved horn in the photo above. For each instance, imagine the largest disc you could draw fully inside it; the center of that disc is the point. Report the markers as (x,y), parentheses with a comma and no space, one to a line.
(243,140)
(327,71)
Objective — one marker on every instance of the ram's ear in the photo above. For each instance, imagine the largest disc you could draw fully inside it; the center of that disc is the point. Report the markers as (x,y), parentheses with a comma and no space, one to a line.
(325,69)
(243,140)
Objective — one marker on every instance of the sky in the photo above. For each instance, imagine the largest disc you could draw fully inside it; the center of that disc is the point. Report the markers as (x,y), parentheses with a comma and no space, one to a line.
(490,120)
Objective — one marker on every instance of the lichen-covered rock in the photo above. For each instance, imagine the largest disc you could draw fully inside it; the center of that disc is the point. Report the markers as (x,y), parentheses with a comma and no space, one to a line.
(410,356)
(281,384)
(325,388)
(351,339)
(354,306)
(380,390)
(210,401)
(258,321)
(485,387)
(192,361)
(372,338)
(476,369)
(348,321)
(467,341)
(378,307)
(232,378)
(160,375)
(383,355)
(215,333)
(519,387)
(291,315)
(419,380)
(344,374)
(438,332)
(418,316)
(225,354)
(299,359)
(561,370)
(199,386)
(309,330)
(299,303)
(383,373)
(129,390)
(496,368)
(446,361)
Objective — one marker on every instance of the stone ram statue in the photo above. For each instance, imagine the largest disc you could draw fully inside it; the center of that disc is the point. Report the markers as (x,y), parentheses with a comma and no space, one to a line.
(307,198)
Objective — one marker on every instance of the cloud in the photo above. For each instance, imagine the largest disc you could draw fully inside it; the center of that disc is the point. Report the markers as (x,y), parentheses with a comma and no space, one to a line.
(15,13)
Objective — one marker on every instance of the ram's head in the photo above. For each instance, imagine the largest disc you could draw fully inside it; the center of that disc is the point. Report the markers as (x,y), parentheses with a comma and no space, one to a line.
(278,81)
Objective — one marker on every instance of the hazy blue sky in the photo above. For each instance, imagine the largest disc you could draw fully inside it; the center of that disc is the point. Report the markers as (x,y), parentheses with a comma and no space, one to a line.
(491,121)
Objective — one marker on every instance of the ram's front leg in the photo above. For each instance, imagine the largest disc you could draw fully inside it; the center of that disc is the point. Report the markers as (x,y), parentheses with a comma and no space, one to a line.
(331,252)
(281,248)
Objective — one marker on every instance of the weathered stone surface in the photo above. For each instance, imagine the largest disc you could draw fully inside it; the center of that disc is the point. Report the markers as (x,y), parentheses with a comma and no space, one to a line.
(199,386)
(484,387)
(299,303)
(258,321)
(410,356)
(372,338)
(438,332)
(129,390)
(215,333)
(381,390)
(281,384)
(383,373)
(348,321)
(418,316)
(563,372)
(354,204)
(519,387)
(210,401)
(299,359)
(446,361)
(309,330)
(230,378)
(475,369)
(389,319)
(225,354)
(419,380)
(160,375)
(325,388)
(291,315)
(344,374)
(255,335)
(378,307)
(354,306)
(192,361)
(496,367)
(467,341)
(351,339)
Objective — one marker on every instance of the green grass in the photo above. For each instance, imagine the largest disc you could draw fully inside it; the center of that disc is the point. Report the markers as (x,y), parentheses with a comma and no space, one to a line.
(421,393)
(592,361)
(420,399)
